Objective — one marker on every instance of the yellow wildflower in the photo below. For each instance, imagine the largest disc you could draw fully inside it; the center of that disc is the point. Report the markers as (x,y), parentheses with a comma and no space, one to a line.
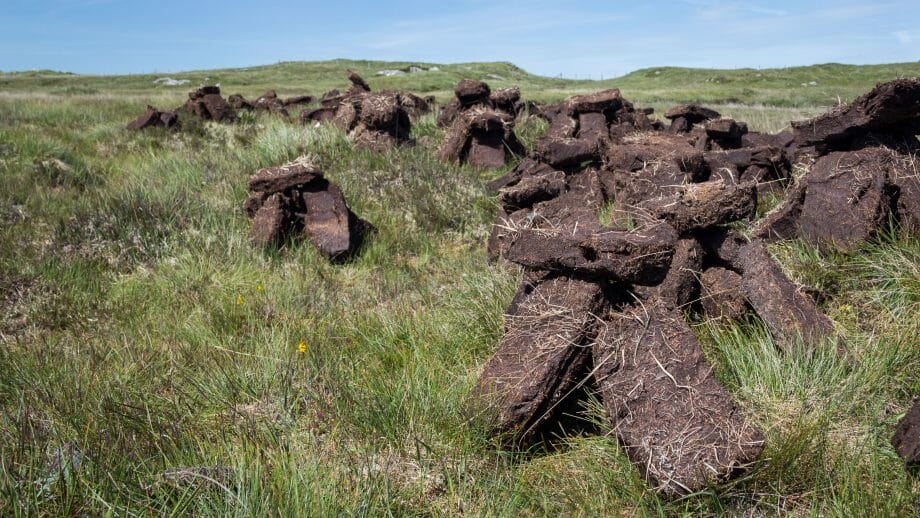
(239,300)
(259,287)
(302,346)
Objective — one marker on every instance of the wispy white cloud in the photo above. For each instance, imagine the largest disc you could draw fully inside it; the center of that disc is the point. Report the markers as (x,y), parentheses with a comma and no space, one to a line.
(720,9)
(767,11)
(852,11)
(903,37)
(491,26)
(59,7)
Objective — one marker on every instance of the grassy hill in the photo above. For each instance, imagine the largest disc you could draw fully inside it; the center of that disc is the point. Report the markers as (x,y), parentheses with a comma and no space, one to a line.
(817,85)
(150,360)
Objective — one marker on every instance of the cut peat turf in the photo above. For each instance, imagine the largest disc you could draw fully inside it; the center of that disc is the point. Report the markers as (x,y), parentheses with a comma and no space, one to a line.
(671,193)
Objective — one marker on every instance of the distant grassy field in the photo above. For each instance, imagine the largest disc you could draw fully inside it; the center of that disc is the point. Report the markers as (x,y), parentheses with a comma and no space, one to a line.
(149,356)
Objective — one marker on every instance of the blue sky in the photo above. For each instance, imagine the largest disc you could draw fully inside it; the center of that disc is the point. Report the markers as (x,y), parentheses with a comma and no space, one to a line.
(575,39)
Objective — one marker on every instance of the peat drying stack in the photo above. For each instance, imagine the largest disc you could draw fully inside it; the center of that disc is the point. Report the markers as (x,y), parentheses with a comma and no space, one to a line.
(603,303)
(865,170)
(295,200)
(374,120)
(269,102)
(207,104)
(154,118)
(204,103)
(480,125)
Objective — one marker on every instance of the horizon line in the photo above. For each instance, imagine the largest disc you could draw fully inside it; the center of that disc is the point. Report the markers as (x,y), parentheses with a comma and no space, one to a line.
(560,76)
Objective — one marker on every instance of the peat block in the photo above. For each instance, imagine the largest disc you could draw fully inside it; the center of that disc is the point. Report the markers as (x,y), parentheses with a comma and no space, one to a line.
(677,424)
(906,440)
(543,355)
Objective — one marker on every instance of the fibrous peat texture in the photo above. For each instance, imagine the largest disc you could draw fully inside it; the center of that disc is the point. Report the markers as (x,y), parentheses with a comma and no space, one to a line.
(671,198)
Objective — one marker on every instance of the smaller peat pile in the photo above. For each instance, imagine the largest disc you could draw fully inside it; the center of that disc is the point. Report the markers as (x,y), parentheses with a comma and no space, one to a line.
(602,303)
(269,102)
(684,117)
(471,93)
(154,118)
(865,170)
(294,200)
(480,125)
(332,100)
(374,120)
(206,103)
(582,127)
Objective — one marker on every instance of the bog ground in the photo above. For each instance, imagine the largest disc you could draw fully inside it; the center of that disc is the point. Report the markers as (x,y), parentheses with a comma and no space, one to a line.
(152,361)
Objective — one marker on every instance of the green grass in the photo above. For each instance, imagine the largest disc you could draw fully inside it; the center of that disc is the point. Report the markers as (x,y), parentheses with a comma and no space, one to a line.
(141,334)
